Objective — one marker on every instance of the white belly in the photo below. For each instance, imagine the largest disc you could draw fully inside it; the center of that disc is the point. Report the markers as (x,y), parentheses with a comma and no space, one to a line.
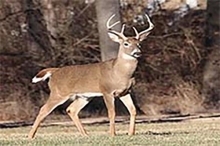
(89,94)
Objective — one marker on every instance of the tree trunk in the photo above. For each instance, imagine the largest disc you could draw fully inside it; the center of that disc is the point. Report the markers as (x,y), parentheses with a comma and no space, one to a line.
(213,23)
(38,42)
(105,9)
(50,19)
(211,78)
(55,13)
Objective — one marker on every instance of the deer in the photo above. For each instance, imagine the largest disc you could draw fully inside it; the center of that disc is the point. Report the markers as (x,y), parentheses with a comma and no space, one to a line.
(109,79)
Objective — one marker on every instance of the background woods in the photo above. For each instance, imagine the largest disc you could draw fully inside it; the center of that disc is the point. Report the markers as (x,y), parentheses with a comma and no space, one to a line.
(177,74)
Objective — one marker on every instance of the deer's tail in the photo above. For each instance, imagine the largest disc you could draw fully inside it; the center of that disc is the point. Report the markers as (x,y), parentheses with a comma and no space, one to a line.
(44,74)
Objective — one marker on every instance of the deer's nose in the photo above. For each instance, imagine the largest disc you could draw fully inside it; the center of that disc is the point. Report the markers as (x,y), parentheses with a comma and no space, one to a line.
(136,52)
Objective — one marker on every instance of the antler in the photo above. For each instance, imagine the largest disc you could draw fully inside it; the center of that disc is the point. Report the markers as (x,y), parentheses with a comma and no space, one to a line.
(140,36)
(113,31)
(136,32)
(110,26)
(151,26)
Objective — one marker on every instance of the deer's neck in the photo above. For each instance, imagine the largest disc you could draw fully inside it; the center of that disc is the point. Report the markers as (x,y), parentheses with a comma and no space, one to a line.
(125,66)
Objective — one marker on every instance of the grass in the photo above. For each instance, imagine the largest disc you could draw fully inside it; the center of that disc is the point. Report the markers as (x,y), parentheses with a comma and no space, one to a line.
(203,132)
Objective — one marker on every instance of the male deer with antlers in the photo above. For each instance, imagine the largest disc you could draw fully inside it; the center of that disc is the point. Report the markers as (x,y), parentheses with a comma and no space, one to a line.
(110,79)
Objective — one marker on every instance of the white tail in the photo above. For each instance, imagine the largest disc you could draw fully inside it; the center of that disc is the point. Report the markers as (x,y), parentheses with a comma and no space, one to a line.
(110,79)
(37,79)
(43,75)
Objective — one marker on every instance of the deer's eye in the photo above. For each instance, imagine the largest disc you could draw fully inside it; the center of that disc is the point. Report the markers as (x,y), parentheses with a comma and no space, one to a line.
(126,44)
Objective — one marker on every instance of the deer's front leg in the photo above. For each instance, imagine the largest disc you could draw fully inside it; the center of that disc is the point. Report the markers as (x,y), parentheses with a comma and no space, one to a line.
(110,104)
(127,100)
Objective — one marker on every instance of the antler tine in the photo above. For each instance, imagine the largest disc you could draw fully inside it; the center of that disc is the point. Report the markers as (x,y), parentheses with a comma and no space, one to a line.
(110,26)
(136,32)
(123,28)
(151,25)
(121,34)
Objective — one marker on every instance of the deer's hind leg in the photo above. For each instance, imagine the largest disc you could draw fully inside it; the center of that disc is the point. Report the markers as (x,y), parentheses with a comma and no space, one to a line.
(73,110)
(45,110)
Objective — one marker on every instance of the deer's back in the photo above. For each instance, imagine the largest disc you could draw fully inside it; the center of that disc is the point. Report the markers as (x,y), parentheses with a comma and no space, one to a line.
(78,78)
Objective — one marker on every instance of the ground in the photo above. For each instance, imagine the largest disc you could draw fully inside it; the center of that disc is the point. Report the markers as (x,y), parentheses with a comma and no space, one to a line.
(184,131)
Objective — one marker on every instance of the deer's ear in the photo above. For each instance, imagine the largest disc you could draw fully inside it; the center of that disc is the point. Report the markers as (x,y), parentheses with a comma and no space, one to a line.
(115,37)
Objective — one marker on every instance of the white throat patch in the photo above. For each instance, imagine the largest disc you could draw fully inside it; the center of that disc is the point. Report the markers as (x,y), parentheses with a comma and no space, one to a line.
(127,57)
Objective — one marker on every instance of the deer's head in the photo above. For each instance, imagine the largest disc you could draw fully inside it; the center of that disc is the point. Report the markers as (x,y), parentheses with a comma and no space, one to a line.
(129,46)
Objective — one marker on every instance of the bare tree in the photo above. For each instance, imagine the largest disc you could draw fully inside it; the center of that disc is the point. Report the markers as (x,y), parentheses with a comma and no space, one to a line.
(213,22)
(104,9)
(55,14)
(211,82)
(50,19)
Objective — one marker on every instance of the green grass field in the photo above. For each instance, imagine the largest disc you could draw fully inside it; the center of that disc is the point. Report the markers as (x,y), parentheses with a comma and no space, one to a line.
(197,132)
